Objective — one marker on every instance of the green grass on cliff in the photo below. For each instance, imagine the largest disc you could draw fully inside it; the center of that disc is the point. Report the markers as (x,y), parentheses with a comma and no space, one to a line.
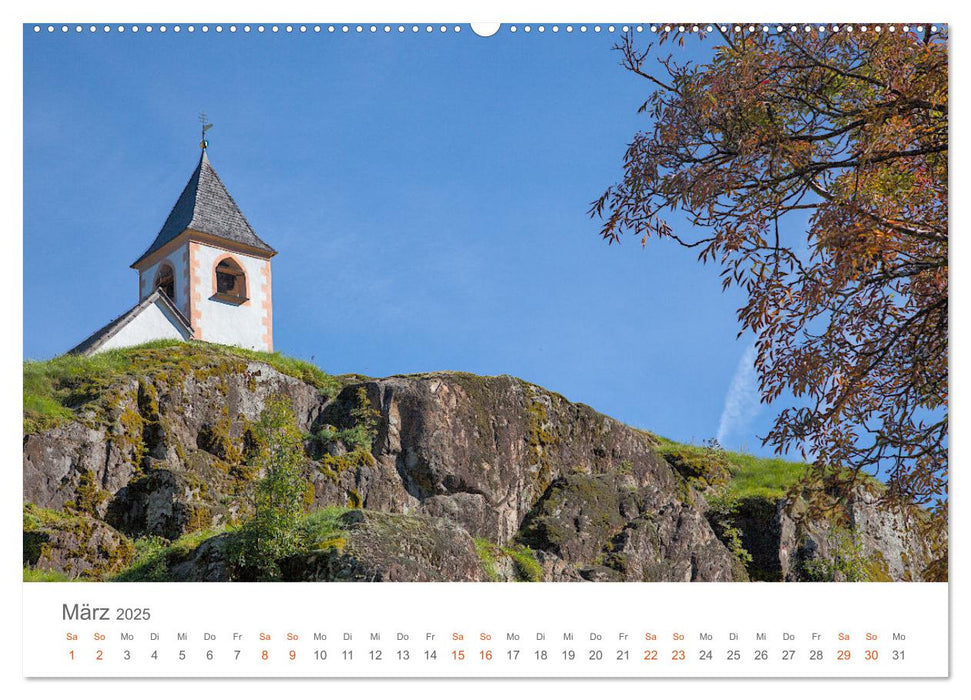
(321,528)
(750,476)
(32,575)
(763,476)
(54,389)
(525,566)
(767,477)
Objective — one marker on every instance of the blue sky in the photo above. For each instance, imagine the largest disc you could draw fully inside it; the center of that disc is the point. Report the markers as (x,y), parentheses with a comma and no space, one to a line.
(427,195)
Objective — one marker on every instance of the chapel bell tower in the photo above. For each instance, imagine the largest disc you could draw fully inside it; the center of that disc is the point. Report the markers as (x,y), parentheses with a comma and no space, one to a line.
(211,265)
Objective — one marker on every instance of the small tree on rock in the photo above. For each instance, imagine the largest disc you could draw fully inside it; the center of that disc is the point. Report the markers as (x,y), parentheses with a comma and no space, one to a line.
(272,533)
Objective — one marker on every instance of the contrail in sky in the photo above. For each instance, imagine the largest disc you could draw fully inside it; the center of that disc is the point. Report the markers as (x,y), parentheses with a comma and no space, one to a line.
(742,400)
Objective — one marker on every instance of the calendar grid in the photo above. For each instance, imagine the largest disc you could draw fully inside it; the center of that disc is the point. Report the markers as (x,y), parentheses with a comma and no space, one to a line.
(486,630)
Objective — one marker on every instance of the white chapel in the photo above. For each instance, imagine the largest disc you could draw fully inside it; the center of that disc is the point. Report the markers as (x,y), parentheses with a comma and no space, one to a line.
(206,276)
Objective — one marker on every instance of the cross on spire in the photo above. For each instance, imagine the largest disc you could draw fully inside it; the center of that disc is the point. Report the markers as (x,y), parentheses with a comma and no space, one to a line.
(205,127)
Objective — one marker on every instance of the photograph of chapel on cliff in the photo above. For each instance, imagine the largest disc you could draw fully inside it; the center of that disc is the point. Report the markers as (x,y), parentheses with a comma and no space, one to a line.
(446,218)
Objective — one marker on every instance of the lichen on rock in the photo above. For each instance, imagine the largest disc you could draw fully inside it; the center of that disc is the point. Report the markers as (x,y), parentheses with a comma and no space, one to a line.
(449,476)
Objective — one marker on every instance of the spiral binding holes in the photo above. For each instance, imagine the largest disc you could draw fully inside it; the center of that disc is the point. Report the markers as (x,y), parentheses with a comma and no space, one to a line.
(567,29)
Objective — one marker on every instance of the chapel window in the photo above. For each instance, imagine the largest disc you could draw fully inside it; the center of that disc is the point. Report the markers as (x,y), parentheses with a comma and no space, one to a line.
(230,281)
(165,280)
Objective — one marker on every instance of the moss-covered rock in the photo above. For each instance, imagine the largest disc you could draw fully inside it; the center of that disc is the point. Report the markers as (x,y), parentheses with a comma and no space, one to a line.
(76,545)
(159,442)
(599,522)
(575,518)
(390,547)
(703,469)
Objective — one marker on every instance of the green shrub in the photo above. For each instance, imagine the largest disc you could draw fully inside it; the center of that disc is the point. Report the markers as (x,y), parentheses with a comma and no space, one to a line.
(722,513)
(846,561)
(326,434)
(359,437)
(364,430)
(271,534)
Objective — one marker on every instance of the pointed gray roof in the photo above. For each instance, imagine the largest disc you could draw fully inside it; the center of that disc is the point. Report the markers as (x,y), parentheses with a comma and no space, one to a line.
(207,207)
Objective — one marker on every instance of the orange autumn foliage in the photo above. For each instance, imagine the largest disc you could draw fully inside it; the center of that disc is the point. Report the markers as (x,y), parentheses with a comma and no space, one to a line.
(847,131)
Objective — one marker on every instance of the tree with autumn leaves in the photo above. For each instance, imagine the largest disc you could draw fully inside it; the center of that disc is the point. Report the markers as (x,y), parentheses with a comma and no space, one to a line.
(845,130)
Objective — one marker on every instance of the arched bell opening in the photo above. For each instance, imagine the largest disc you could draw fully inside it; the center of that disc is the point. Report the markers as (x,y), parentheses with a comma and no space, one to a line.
(165,280)
(230,281)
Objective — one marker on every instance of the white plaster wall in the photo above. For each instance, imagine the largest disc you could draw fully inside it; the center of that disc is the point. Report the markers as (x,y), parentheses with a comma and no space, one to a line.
(154,322)
(225,323)
(177,259)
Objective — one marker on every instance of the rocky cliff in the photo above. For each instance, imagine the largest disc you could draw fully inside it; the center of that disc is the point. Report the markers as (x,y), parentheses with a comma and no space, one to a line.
(441,476)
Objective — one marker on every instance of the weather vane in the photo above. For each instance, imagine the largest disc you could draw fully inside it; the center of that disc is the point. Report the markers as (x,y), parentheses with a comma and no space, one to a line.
(205,127)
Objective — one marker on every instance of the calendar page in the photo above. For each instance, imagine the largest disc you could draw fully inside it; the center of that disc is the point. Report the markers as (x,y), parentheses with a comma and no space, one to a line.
(517,350)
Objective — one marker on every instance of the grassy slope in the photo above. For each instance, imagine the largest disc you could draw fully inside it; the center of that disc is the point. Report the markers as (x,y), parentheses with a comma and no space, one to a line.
(768,477)
(54,389)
